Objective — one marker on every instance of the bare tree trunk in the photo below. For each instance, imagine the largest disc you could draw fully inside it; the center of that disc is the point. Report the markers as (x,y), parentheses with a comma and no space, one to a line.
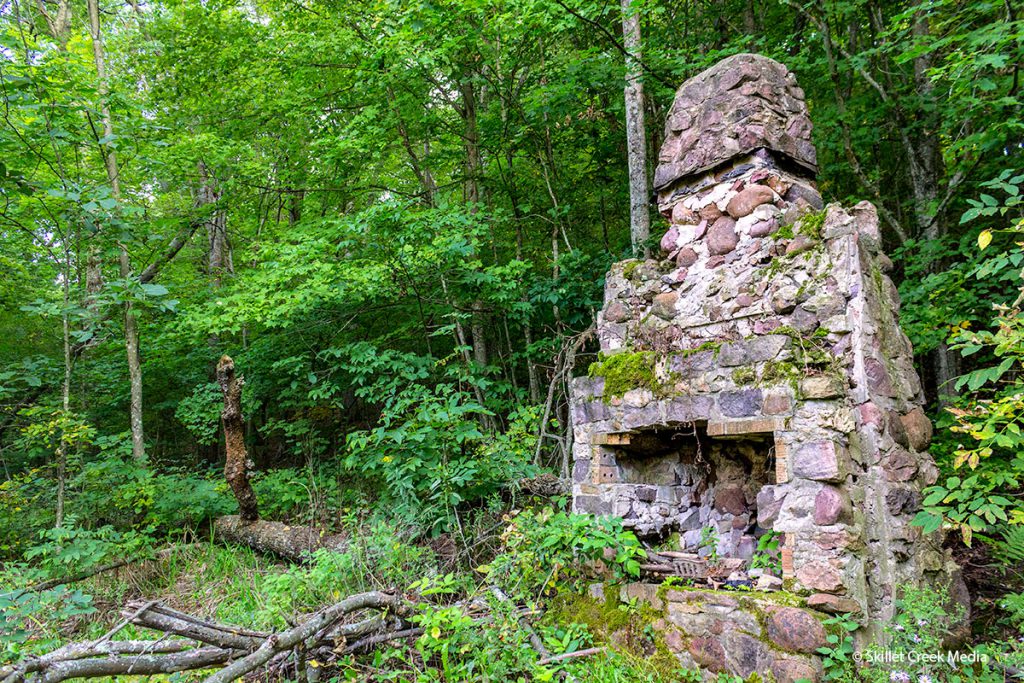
(237,463)
(478,330)
(473,198)
(471,138)
(219,259)
(636,139)
(419,169)
(517,213)
(93,274)
(926,172)
(65,392)
(131,327)
(531,367)
(750,18)
(295,199)
(926,165)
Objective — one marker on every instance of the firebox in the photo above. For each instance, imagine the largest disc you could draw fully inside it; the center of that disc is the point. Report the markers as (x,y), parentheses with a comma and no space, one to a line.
(676,485)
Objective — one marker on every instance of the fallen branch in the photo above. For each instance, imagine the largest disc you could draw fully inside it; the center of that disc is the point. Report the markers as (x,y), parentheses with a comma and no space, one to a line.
(140,665)
(379,638)
(202,644)
(535,642)
(74,651)
(86,574)
(208,644)
(295,636)
(160,618)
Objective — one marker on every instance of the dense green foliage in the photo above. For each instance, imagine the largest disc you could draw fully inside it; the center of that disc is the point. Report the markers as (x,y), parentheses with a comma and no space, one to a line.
(396,217)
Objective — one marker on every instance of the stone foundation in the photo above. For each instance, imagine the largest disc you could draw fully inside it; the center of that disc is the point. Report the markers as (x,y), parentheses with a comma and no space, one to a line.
(735,632)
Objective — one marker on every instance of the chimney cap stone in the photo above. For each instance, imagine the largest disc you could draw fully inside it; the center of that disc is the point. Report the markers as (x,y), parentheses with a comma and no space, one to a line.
(743,103)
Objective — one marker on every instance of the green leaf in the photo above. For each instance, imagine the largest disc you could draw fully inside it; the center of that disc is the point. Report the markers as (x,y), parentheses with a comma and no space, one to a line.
(927,521)
(154,290)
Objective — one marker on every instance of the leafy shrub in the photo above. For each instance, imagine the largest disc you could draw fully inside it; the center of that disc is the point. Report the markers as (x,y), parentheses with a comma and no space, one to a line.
(989,461)
(432,456)
(1013,603)
(70,548)
(182,501)
(767,554)
(199,412)
(924,619)
(30,621)
(128,494)
(837,658)
(294,493)
(547,550)
(26,506)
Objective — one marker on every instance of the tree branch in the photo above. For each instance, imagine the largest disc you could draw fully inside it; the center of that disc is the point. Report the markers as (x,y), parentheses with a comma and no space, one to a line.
(295,636)
(618,46)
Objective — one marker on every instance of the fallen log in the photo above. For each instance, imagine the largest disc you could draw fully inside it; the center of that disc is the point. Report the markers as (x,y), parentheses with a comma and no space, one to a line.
(291,542)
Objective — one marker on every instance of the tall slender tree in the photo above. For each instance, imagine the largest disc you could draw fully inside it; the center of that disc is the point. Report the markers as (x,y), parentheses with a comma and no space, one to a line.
(636,136)
(131,323)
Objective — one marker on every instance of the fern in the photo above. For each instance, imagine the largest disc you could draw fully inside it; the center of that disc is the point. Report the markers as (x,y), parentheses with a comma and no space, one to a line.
(1010,550)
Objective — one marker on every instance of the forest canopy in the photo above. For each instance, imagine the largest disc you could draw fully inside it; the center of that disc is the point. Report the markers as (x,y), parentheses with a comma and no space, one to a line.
(396,219)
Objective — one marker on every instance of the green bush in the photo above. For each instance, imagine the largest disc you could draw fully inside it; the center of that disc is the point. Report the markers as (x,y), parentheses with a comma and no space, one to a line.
(30,621)
(304,494)
(128,494)
(546,551)
(432,456)
(986,464)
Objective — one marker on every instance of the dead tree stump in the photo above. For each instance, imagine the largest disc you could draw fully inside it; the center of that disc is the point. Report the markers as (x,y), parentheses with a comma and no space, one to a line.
(237,464)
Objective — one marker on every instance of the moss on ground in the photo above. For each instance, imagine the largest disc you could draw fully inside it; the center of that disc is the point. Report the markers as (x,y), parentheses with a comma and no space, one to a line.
(626,626)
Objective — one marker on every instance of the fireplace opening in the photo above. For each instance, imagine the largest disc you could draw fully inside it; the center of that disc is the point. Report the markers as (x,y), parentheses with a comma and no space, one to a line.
(686,492)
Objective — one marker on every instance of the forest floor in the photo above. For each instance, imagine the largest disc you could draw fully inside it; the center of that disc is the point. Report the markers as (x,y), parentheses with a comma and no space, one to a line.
(238,586)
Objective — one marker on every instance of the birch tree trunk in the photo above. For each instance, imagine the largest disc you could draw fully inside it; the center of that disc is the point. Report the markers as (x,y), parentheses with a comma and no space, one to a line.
(636,140)
(131,326)
(474,196)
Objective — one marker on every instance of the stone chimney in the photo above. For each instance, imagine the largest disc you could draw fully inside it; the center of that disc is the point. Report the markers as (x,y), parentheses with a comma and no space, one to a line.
(754,378)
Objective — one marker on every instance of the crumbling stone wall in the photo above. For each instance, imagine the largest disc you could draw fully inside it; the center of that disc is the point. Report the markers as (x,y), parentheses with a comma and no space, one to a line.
(769,315)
